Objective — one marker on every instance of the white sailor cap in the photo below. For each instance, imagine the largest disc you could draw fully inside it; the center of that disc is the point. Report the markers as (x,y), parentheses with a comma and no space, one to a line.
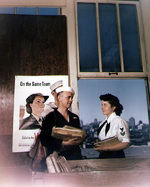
(56,85)
(66,89)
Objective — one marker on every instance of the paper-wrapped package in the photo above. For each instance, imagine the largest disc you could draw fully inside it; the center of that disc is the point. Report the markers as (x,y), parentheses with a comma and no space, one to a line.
(107,142)
(68,132)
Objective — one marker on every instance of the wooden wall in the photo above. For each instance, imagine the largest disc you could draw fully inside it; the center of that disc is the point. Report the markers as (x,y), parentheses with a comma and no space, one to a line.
(29,45)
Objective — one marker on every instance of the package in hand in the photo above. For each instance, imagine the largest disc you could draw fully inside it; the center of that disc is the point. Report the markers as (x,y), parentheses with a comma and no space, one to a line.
(68,132)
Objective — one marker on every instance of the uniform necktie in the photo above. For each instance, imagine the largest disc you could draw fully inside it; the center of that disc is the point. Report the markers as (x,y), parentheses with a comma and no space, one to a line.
(106,129)
(40,119)
(102,125)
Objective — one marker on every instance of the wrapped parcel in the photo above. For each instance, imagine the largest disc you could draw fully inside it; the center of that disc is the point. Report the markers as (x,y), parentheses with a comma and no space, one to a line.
(107,142)
(68,132)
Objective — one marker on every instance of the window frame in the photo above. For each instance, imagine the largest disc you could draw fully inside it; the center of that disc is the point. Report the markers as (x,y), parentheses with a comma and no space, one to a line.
(121,74)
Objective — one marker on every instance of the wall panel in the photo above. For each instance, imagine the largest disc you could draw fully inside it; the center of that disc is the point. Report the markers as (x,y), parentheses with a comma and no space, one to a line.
(29,45)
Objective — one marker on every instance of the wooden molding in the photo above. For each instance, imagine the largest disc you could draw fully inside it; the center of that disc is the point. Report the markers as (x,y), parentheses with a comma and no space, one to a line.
(31,3)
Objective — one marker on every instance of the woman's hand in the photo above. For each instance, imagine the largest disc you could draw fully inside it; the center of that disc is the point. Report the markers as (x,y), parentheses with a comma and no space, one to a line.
(100,148)
(116,147)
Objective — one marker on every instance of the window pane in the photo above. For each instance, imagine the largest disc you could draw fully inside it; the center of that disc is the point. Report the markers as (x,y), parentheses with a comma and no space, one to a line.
(130,38)
(48,11)
(135,109)
(88,48)
(26,11)
(7,10)
(109,38)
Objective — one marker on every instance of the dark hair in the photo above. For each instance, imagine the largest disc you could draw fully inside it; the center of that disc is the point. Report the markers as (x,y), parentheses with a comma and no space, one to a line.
(113,101)
(30,100)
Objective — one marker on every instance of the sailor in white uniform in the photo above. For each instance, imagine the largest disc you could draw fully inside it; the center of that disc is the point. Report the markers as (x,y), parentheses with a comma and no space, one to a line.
(112,126)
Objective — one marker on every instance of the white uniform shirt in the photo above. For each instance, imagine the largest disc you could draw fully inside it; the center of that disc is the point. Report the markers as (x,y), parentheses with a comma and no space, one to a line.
(118,127)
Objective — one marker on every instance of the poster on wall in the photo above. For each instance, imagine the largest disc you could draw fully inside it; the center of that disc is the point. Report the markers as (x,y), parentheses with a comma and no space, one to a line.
(26,126)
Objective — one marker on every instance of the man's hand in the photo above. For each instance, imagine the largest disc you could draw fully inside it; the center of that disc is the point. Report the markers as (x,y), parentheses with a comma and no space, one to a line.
(74,141)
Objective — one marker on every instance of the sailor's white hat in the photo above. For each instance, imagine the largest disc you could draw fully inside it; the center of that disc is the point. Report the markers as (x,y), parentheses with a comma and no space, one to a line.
(65,89)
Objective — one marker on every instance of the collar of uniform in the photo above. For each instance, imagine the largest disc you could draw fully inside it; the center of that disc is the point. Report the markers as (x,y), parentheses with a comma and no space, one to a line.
(111,117)
(37,118)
